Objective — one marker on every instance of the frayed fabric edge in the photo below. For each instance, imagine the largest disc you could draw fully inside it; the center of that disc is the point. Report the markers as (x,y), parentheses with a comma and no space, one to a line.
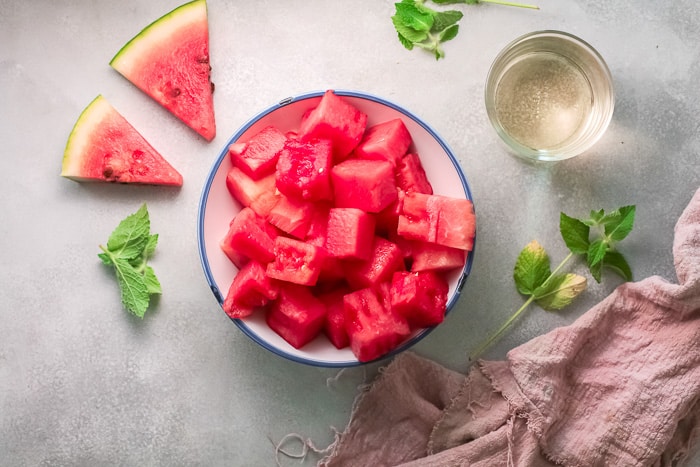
(307,445)
(362,390)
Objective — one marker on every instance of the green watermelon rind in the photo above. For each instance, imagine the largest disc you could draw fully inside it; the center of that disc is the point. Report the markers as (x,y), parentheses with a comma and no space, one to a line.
(78,137)
(159,24)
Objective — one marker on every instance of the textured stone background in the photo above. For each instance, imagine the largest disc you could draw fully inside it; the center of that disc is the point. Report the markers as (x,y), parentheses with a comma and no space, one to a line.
(82,383)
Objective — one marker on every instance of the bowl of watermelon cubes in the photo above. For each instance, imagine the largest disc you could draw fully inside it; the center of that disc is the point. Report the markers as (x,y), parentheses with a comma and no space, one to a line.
(336,228)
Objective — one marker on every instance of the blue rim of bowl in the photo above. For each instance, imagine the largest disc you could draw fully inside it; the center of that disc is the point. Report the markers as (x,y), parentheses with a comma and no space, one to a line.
(466,270)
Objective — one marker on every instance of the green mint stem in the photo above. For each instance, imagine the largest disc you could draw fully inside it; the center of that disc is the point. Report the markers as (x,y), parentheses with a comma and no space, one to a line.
(487,343)
(519,5)
(495,336)
(107,252)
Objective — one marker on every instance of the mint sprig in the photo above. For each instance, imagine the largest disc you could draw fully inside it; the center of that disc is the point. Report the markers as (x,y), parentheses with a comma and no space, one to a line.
(594,238)
(128,250)
(420,26)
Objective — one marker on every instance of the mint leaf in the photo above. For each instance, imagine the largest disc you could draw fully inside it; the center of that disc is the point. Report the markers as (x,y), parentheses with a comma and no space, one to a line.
(127,241)
(559,291)
(411,16)
(596,252)
(596,271)
(106,259)
(619,223)
(407,35)
(405,42)
(444,19)
(134,291)
(531,268)
(575,233)
(449,33)
(128,250)
(151,281)
(150,247)
(618,263)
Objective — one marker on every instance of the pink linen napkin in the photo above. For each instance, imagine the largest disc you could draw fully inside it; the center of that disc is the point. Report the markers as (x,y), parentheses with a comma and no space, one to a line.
(618,387)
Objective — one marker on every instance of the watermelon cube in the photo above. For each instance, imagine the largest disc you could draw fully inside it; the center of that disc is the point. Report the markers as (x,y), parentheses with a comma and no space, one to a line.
(438,219)
(456,223)
(291,216)
(258,156)
(387,141)
(303,169)
(373,328)
(418,218)
(350,233)
(249,236)
(297,315)
(251,289)
(368,185)
(334,327)
(420,297)
(337,120)
(410,175)
(256,194)
(296,261)
(431,256)
(386,258)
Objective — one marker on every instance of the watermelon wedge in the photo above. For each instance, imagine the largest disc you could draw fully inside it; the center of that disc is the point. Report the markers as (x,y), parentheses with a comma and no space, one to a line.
(105,147)
(169,61)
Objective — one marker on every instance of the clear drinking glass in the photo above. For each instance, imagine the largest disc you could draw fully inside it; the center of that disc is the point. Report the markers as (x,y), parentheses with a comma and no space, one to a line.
(549,96)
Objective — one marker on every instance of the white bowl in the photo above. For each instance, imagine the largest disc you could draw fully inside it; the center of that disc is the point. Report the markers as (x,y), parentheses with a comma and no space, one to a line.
(217,208)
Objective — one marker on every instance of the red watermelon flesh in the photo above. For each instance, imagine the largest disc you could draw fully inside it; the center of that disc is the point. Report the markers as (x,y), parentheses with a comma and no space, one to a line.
(386,258)
(438,219)
(303,169)
(364,184)
(410,175)
(297,316)
(387,141)
(257,194)
(373,329)
(258,157)
(249,236)
(169,61)
(420,297)
(350,233)
(337,120)
(292,216)
(296,261)
(105,147)
(433,257)
(335,316)
(250,290)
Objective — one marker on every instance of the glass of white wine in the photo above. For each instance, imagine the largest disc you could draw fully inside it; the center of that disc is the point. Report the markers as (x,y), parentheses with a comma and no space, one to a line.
(549,95)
